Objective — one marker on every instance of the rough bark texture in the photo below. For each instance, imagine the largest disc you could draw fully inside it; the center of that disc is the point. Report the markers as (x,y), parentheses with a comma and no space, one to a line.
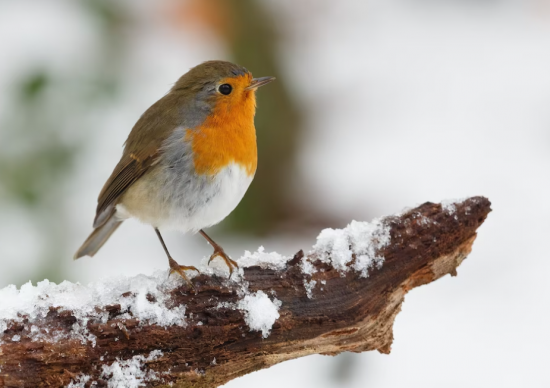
(350,313)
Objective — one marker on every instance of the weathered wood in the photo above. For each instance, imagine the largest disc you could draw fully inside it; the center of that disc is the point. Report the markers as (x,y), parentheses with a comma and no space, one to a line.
(347,313)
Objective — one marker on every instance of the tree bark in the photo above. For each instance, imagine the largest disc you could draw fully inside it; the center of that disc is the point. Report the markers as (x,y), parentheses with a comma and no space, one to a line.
(346,312)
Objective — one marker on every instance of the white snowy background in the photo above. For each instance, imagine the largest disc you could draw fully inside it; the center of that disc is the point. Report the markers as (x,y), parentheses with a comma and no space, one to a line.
(407,101)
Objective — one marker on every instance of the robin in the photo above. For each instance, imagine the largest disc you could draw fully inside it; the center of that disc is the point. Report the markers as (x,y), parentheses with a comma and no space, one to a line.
(187,162)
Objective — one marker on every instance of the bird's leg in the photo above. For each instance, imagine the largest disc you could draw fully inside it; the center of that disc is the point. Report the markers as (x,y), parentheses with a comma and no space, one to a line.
(174,266)
(218,251)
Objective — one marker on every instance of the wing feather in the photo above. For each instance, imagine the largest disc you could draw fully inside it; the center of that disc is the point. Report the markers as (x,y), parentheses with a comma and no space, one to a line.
(129,169)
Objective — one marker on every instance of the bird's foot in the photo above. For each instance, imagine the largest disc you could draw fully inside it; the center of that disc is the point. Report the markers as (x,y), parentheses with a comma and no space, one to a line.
(180,270)
(219,252)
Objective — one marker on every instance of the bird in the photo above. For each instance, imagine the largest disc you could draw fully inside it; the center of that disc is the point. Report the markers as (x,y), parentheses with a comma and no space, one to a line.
(187,162)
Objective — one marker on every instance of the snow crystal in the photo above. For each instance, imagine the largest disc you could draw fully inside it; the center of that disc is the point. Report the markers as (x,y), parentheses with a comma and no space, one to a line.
(309,286)
(144,296)
(336,246)
(16,338)
(129,373)
(307,267)
(260,313)
(449,205)
(423,220)
(270,260)
(226,305)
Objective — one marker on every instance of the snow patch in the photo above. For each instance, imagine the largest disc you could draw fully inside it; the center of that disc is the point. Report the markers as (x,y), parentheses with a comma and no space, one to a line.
(123,373)
(260,258)
(130,373)
(144,297)
(260,313)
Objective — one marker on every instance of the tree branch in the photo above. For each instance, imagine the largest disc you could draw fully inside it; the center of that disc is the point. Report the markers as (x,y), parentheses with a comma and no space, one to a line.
(318,303)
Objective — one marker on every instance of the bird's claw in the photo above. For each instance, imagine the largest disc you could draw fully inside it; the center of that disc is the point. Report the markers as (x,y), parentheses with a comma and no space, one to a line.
(231,264)
(180,270)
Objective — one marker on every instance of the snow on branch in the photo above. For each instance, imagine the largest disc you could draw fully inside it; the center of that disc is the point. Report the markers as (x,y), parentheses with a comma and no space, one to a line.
(343,295)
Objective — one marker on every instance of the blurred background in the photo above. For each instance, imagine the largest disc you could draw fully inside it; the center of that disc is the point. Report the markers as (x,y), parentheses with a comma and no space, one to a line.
(378,105)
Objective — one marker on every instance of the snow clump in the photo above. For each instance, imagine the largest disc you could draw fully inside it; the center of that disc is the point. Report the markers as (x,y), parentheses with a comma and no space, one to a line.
(260,313)
(265,260)
(365,239)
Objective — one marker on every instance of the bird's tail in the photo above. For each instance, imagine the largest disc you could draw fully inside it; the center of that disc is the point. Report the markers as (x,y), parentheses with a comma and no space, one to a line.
(98,237)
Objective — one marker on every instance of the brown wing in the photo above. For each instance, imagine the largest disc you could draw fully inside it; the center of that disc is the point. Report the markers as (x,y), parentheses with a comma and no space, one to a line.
(130,168)
(140,152)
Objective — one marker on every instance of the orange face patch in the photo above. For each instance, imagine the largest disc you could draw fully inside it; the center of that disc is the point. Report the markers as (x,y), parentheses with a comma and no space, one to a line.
(228,134)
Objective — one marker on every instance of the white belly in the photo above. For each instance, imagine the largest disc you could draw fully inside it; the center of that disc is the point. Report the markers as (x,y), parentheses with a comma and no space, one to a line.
(227,190)
(186,203)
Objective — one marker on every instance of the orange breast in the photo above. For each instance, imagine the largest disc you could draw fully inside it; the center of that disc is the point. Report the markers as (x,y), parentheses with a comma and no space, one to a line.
(227,135)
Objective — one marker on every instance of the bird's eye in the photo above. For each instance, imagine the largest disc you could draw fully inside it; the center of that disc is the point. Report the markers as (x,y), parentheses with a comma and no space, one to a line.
(225,89)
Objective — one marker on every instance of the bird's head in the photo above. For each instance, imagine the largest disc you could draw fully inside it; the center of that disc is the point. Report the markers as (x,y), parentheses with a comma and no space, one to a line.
(225,87)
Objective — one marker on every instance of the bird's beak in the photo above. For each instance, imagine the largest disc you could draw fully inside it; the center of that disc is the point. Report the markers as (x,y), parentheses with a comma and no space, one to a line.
(257,82)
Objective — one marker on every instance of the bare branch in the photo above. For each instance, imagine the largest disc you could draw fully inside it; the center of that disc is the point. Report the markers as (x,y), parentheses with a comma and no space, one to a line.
(330,306)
